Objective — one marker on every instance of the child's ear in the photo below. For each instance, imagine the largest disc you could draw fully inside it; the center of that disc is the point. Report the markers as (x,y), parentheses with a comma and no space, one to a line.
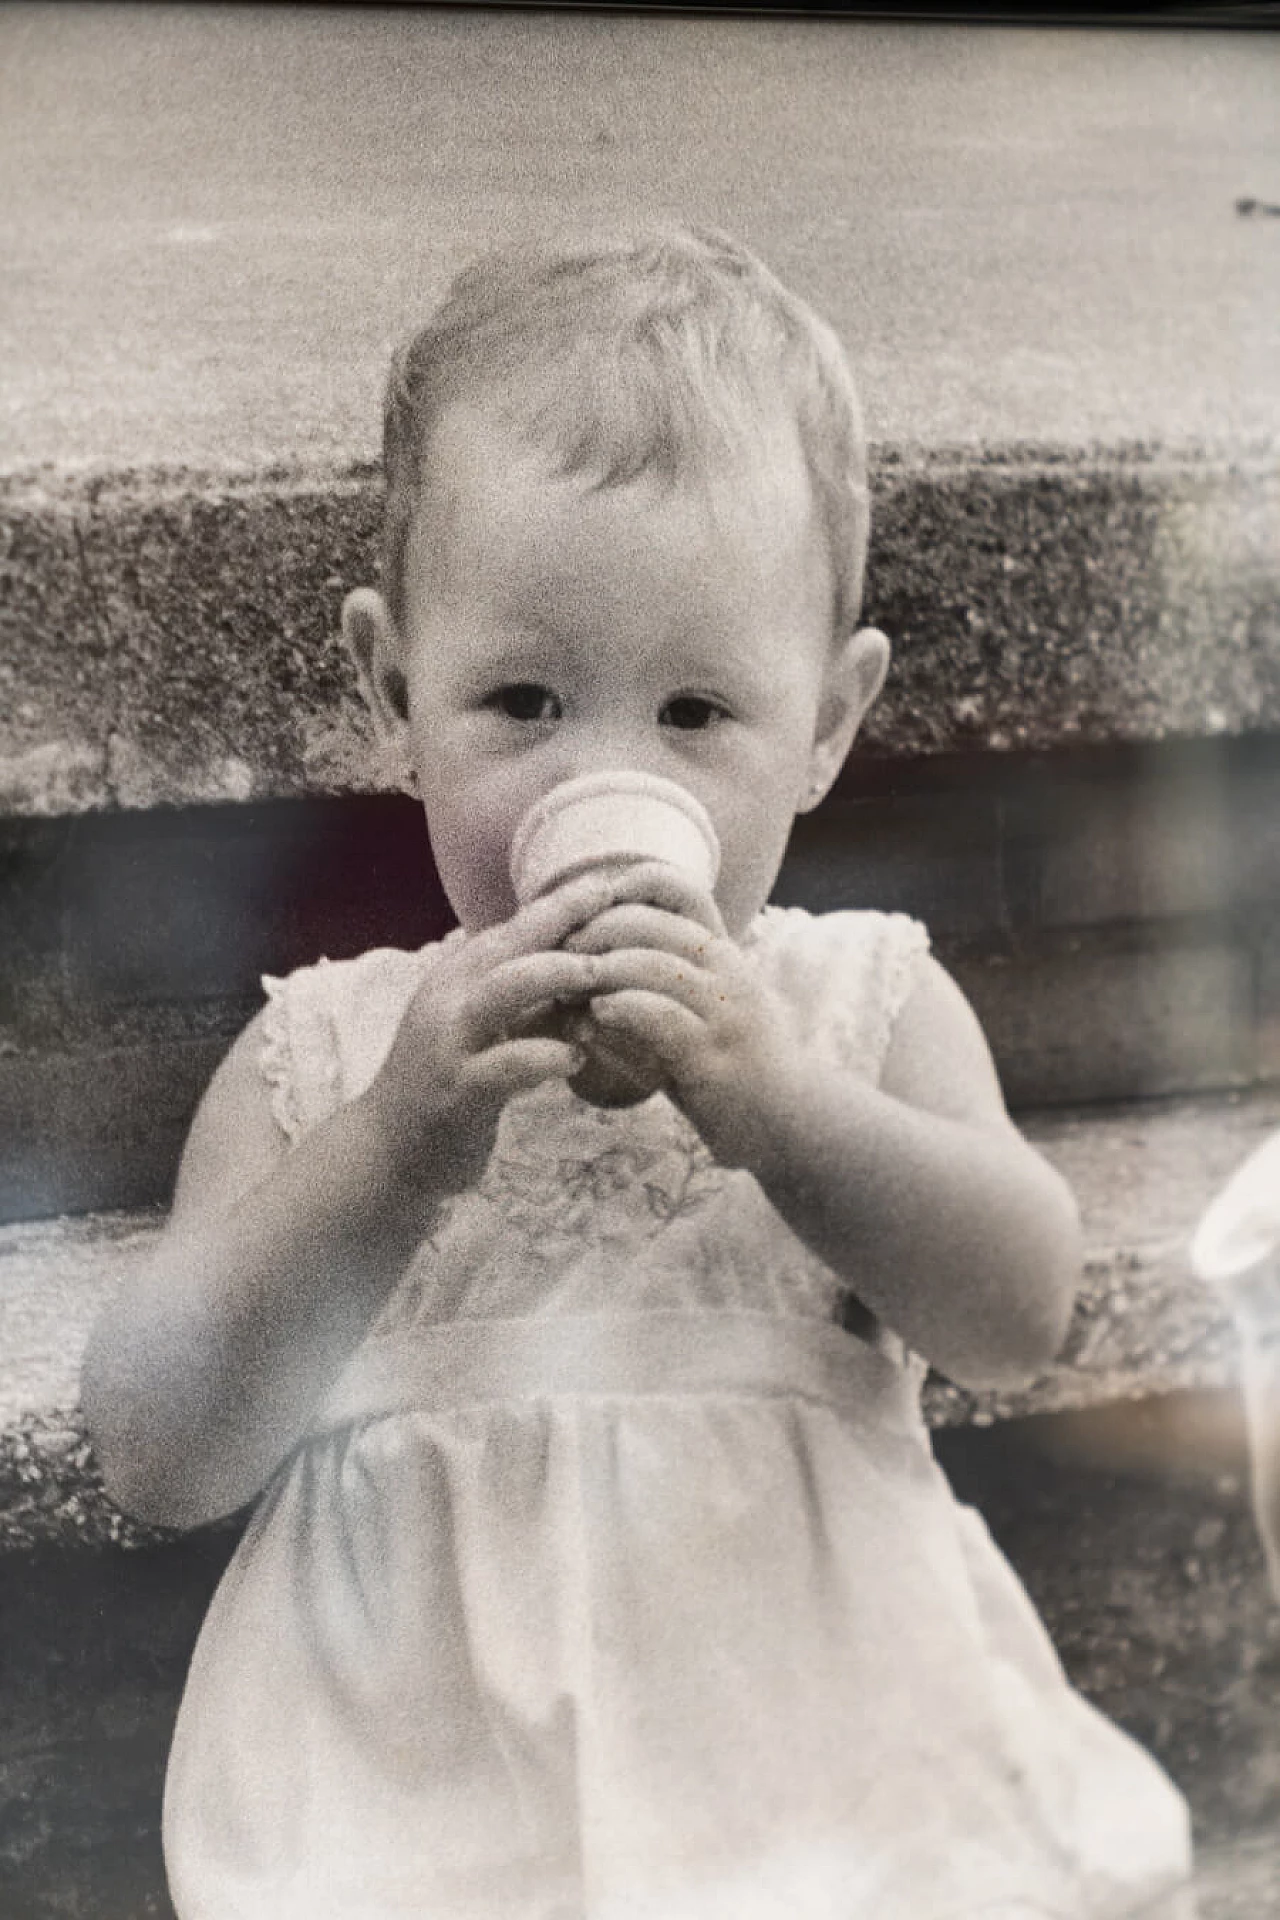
(370,635)
(855,674)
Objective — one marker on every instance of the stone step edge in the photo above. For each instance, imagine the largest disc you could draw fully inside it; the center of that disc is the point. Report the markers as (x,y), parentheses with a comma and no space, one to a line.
(172,638)
(1143,1324)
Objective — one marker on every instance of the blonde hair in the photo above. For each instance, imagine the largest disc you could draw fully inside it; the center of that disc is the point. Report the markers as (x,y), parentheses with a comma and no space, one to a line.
(642,355)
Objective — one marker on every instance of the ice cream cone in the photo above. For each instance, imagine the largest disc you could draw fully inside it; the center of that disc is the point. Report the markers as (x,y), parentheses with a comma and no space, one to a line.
(602,820)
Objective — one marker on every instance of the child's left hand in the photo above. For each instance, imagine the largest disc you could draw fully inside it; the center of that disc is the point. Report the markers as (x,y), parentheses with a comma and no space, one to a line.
(917,1191)
(679,1002)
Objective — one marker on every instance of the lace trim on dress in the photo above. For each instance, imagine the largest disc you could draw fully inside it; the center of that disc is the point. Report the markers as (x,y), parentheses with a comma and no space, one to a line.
(299,1056)
(865,965)
(275,1057)
(322,1049)
(905,945)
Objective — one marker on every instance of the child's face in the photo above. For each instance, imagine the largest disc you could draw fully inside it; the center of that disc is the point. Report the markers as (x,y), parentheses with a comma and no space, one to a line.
(552,630)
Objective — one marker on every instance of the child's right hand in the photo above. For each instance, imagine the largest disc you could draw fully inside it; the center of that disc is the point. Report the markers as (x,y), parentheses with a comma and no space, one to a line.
(205,1367)
(482,1028)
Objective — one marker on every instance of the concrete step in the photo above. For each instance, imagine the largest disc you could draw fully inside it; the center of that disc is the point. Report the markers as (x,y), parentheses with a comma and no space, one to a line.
(1022,236)
(171,637)
(1144,1327)
(1073,540)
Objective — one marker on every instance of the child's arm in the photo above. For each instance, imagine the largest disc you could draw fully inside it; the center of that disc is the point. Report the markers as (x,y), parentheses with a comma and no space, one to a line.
(203,1371)
(975,1241)
(920,1193)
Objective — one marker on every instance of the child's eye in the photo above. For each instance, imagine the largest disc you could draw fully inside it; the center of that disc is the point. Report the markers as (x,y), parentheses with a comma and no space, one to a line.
(525,701)
(691,713)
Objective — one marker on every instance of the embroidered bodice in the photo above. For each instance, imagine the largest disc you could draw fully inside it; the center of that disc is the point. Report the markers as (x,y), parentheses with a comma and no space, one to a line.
(583,1209)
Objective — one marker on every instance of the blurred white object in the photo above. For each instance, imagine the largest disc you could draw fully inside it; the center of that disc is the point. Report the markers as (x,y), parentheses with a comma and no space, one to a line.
(1240,1231)
(603,819)
(1237,1249)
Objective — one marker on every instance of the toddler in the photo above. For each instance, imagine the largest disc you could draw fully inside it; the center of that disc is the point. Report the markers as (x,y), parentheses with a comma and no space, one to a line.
(598,1571)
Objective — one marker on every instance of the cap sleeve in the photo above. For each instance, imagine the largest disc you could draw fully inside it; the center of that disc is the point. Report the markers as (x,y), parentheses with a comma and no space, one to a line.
(327,1028)
(852,972)
(299,1056)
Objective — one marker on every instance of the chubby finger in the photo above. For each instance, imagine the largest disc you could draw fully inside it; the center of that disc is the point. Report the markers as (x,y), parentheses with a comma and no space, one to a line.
(549,920)
(513,1066)
(650,970)
(640,925)
(652,1021)
(522,987)
(654,883)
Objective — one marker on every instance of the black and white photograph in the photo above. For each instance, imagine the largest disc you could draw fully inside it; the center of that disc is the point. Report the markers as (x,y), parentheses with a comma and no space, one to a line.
(639,963)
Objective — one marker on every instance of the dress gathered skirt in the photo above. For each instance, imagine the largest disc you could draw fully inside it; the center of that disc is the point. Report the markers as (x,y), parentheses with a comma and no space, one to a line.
(615,1581)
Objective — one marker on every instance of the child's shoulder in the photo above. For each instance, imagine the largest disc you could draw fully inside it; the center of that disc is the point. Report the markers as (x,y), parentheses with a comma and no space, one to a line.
(874,937)
(852,971)
(306,1002)
(893,1012)
(859,952)
(326,1028)
(378,967)
(318,1040)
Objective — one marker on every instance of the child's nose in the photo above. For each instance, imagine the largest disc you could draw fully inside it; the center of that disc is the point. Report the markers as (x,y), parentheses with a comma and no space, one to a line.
(617,749)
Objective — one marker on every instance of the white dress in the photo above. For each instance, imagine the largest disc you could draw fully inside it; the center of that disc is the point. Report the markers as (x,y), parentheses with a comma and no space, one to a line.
(616,1581)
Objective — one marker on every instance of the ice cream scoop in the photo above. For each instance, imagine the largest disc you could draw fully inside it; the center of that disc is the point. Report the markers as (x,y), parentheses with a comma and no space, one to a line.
(602,820)
(608,819)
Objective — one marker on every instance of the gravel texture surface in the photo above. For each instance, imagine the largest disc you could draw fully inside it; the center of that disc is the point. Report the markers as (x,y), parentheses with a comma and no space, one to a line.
(172,637)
